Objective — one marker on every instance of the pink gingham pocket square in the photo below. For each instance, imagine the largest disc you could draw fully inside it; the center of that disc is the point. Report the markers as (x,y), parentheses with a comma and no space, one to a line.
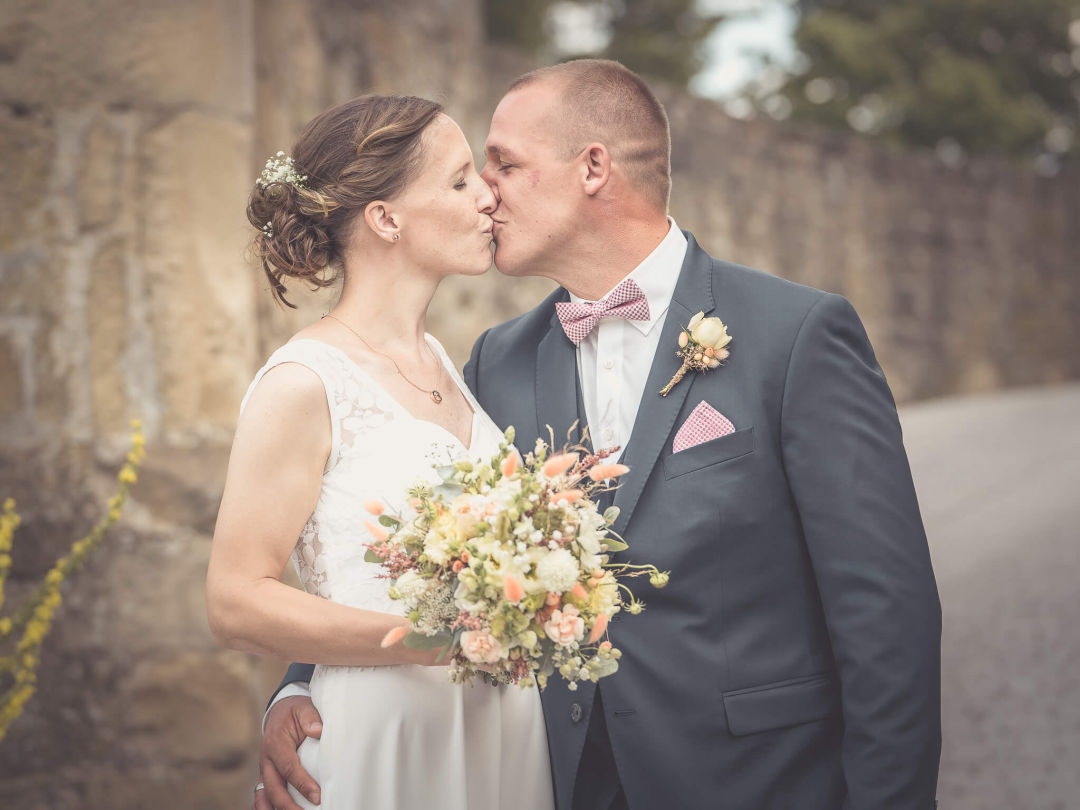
(704,424)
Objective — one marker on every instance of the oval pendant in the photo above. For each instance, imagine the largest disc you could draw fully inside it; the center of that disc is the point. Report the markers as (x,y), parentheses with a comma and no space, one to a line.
(436,397)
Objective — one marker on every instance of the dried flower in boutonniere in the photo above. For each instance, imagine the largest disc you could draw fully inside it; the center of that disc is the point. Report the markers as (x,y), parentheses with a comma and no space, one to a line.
(701,347)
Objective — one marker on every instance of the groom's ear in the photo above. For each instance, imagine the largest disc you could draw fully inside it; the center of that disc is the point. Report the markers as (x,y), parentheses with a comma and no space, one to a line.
(377,216)
(595,168)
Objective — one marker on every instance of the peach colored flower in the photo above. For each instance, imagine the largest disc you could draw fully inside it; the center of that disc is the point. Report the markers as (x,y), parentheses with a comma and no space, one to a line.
(510,464)
(602,471)
(578,591)
(480,647)
(598,628)
(378,532)
(565,626)
(605,645)
(374,507)
(558,464)
(457,566)
(512,589)
(568,495)
(395,635)
(552,599)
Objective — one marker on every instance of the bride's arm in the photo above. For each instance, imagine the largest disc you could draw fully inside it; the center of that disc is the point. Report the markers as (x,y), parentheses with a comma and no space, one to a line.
(275,475)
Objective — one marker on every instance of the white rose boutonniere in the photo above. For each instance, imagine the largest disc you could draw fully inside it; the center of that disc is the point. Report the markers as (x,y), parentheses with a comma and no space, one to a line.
(702,346)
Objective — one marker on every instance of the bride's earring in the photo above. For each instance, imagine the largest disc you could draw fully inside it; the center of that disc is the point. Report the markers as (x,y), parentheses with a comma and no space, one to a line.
(397,236)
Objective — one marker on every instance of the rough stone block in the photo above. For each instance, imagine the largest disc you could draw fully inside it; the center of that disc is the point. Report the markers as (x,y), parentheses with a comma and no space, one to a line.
(189,708)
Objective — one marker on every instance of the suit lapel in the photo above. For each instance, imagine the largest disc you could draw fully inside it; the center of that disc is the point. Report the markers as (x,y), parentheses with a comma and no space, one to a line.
(556,384)
(656,414)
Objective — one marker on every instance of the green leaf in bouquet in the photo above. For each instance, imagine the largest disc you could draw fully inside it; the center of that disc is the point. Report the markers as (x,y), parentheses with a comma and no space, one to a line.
(611,514)
(389,521)
(546,666)
(371,557)
(463,466)
(418,641)
(509,435)
(602,667)
(445,471)
(449,490)
(503,528)
(613,543)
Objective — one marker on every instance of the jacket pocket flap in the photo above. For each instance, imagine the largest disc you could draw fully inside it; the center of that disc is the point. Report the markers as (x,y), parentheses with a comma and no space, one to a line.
(709,453)
(789,703)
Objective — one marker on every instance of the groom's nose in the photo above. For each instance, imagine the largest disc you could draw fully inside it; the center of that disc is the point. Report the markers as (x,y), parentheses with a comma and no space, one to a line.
(487,174)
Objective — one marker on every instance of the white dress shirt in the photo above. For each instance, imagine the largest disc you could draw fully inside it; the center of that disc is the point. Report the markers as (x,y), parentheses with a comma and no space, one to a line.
(613,361)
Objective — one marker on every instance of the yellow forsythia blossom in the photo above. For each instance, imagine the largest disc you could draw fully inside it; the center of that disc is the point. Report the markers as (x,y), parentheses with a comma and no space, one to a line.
(33,620)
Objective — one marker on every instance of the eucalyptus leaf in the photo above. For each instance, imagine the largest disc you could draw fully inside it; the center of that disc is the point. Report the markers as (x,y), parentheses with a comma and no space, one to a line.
(449,490)
(613,544)
(611,514)
(445,471)
(371,557)
(418,641)
(389,521)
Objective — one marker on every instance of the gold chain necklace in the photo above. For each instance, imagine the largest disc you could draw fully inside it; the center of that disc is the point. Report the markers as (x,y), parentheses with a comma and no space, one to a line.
(436,397)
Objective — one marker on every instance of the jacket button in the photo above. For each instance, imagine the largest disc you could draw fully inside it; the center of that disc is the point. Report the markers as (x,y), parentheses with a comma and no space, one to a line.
(575,712)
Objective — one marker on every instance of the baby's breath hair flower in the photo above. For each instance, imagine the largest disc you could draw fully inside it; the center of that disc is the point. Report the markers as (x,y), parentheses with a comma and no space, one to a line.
(281,169)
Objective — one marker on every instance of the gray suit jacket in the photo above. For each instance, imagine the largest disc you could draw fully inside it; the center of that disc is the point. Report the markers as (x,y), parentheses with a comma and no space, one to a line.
(793,660)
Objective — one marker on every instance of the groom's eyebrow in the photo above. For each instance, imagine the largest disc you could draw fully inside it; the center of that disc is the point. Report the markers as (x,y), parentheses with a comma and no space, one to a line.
(500,152)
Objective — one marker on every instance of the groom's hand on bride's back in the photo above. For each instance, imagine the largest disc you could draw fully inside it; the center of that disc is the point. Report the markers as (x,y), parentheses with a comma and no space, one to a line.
(288,723)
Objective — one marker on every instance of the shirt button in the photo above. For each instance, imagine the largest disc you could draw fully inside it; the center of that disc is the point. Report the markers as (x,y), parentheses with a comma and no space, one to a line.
(575,712)
(609,364)
(609,435)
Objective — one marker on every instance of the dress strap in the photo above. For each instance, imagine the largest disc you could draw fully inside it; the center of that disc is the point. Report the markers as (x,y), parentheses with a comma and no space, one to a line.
(328,366)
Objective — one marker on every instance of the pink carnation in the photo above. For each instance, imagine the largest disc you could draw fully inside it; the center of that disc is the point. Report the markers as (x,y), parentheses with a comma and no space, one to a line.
(565,626)
(480,647)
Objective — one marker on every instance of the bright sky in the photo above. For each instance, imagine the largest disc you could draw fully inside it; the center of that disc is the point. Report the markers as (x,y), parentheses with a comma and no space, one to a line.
(766,27)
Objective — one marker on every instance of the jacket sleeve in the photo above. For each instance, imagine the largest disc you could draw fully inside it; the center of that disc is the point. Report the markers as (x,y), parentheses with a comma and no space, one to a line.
(845,461)
(471,370)
(296,673)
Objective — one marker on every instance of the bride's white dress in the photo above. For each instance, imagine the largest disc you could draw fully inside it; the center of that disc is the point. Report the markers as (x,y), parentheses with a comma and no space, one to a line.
(400,737)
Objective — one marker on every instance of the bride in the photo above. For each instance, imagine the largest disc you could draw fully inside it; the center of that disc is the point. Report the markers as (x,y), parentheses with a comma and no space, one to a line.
(351,411)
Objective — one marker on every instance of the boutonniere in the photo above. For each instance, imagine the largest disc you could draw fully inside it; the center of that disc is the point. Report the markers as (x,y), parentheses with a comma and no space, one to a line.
(701,347)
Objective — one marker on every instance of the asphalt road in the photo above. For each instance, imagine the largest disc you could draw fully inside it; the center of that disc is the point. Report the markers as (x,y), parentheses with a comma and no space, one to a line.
(998,478)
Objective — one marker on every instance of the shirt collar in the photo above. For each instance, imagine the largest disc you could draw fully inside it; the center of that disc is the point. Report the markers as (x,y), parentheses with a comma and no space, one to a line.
(656,275)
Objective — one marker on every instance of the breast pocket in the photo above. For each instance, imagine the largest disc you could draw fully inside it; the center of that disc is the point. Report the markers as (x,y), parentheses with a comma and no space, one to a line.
(710,453)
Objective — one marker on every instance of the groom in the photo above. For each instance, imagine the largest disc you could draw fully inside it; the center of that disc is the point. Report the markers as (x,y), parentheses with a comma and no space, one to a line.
(793,660)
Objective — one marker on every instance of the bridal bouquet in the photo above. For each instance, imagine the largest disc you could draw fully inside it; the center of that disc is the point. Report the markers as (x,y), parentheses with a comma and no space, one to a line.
(505,567)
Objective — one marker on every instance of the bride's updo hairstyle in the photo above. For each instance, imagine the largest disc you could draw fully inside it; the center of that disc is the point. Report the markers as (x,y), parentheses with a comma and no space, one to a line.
(303,205)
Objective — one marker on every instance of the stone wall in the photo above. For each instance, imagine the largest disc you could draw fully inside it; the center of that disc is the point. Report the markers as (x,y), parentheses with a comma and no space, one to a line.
(131,133)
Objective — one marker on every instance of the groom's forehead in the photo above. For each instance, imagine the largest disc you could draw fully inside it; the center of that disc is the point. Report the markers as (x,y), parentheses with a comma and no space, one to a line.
(519,126)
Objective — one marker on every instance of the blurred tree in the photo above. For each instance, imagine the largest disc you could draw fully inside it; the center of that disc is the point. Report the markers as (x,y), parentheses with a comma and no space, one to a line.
(661,39)
(960,75)
(522,23)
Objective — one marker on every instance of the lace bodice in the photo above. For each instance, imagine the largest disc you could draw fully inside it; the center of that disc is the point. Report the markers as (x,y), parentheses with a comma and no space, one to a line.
(377,451)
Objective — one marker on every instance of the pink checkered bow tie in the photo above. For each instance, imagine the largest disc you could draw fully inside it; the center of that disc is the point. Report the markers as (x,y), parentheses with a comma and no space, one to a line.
(625,301)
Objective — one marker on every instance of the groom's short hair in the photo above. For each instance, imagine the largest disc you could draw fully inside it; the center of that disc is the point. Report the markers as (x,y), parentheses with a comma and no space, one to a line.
(605,101)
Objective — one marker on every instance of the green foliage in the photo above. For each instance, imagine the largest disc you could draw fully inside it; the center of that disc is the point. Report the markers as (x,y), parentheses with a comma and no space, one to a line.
(517,22)
(660,39)
(990,76)
(23,632)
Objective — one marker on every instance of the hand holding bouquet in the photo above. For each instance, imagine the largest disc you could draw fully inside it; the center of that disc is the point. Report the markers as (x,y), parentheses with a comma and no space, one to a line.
(505,566)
